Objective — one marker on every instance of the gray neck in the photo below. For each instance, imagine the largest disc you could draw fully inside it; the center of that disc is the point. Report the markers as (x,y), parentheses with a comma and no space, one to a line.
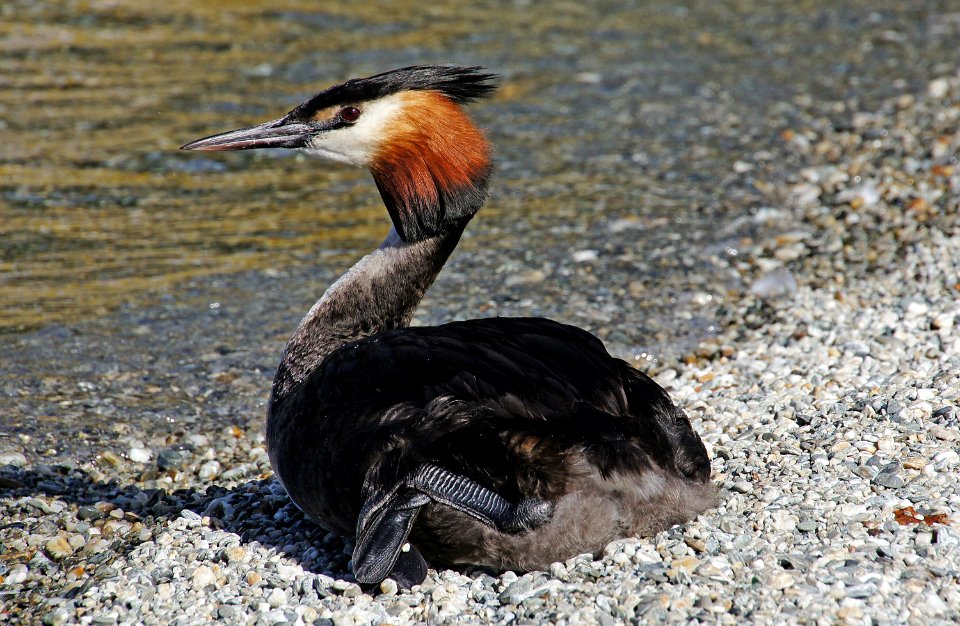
(379,293)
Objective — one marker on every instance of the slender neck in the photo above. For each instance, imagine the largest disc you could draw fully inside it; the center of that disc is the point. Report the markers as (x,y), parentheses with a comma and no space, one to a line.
(432,173)
(380,292)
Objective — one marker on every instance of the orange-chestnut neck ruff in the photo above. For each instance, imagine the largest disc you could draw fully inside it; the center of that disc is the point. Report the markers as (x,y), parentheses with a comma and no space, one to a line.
(432,170)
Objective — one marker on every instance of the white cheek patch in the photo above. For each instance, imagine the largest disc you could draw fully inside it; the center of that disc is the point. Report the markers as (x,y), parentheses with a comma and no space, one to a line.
(357,144)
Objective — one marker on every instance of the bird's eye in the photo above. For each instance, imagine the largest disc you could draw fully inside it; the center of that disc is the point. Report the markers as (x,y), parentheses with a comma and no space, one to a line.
(350,114)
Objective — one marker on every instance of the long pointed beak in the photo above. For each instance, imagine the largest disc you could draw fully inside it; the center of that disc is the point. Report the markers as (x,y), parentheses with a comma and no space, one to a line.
(281,133)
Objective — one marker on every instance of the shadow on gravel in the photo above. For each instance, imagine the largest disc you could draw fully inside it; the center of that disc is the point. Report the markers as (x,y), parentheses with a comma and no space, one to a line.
(258,511)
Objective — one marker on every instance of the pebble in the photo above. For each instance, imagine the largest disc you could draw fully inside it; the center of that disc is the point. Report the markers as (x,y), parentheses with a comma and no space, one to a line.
(56,617)
(16,574)
(202,576)
(526,277)
(353,590)
(139,455)
(807,526)
(916,308)
(777,283)
(234,554)
(15,459)
(58,548)
(277,598)
(108,458)
(889,476)
(946,459)
(781,580)
(172,458)
(388,587)
(935,605)
(938,88)
(945,413)
(516,591)
(209,470)
(945,434)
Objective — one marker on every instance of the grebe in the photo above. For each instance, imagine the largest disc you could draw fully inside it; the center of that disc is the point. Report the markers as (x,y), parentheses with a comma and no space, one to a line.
(508,443)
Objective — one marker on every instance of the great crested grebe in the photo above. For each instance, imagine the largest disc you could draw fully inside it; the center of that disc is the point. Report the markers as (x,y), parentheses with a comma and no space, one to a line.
(509,443)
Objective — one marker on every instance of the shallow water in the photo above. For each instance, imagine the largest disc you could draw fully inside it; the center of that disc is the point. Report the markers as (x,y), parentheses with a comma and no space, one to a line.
(134,278)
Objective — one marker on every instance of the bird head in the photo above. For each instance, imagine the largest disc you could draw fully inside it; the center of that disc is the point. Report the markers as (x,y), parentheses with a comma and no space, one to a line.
(430,162)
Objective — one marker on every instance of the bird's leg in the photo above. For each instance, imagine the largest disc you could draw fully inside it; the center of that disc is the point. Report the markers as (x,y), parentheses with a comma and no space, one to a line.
(387,516)
(475,500)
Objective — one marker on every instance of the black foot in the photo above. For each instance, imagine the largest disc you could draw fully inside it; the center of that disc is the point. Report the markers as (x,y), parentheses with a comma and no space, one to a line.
(381,535)
(410,568)
(529,514)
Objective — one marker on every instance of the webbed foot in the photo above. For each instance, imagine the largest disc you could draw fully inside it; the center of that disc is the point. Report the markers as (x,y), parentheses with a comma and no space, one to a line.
(381,535)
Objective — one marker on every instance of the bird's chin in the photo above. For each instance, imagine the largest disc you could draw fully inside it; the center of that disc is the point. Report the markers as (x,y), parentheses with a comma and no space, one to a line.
(356,160)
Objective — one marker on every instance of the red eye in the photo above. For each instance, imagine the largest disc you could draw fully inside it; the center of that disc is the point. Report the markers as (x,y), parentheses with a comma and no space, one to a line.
(350,114)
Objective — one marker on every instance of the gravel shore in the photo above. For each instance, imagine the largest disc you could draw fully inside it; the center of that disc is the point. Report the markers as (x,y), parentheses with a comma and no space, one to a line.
(830,405)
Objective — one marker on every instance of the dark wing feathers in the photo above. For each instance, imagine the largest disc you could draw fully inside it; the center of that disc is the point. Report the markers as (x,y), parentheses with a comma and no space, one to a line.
(466,388)
(543,365)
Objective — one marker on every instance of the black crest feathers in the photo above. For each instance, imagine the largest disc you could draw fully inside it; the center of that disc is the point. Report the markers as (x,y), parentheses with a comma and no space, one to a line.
(460,84)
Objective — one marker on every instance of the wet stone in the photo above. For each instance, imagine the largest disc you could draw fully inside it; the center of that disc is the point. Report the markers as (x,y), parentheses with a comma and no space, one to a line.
(172,458)
(15,459)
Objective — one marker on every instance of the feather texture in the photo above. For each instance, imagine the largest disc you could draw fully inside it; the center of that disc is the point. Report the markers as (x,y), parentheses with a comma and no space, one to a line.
(526,407)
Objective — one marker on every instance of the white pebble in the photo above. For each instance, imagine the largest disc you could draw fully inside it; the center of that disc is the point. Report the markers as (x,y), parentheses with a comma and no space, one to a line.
(139,455)
(202,576)
(946,458)
(277,597)
(781,580)
(389,587)
(938,88)
(210,469)
(915,308)
(16,575)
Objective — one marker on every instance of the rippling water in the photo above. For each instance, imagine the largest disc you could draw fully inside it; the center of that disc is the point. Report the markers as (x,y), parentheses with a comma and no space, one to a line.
(616,126)
(99,209)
